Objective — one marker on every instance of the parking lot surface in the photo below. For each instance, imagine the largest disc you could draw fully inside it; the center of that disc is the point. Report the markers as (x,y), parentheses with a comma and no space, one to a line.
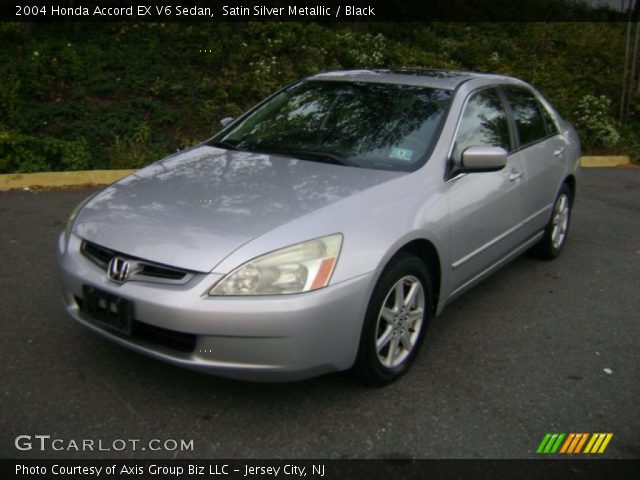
(539,347)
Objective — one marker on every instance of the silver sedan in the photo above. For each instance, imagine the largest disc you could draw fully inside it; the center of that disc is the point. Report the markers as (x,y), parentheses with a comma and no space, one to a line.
(324,228)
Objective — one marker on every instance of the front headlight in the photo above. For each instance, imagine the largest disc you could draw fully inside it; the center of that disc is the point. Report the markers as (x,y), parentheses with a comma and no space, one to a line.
(299,268)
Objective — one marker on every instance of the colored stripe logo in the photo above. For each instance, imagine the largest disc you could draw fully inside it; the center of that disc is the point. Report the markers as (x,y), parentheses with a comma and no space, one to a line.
(573,443)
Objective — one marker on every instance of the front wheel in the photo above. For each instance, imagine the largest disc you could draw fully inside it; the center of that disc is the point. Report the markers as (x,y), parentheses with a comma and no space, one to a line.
(555,234)
(396,319)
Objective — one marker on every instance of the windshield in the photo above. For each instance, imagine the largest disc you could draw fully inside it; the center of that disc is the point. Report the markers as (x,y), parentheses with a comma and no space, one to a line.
(370,125)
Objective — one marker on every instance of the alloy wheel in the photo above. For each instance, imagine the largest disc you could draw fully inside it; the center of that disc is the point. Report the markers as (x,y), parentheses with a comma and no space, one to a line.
(560,221)
(400,321)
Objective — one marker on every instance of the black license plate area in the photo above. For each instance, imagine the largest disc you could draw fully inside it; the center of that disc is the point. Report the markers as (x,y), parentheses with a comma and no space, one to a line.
(107,309)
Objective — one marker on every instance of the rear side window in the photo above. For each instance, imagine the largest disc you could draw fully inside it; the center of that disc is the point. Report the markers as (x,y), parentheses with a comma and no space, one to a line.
(528,116)
(552,129)
(484,122)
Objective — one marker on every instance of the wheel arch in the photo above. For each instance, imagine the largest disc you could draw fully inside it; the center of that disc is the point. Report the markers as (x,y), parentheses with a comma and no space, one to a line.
(426,251)
(570,181)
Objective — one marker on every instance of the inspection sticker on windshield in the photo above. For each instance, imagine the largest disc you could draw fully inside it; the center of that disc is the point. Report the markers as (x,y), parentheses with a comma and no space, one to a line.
(398,153)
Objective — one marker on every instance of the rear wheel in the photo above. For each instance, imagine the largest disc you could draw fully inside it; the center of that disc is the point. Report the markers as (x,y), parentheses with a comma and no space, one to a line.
(555,234)
(396,319)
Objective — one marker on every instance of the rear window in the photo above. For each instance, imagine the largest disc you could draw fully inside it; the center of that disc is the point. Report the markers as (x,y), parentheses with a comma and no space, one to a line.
(527,114)
(550,125)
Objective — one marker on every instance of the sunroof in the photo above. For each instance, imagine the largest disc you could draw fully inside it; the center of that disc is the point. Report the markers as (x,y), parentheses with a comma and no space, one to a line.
(425,72)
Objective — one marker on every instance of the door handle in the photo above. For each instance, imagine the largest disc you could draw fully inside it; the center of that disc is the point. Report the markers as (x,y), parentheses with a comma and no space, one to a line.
(558,152)
(514,175)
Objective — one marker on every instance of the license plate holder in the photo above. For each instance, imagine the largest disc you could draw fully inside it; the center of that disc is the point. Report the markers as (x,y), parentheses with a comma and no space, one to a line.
(108,310)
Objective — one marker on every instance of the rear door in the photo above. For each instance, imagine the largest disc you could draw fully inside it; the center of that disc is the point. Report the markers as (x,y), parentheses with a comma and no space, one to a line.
(541,149)
(485,208)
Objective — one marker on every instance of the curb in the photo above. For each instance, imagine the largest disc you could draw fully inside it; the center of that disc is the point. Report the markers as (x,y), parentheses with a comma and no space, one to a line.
(89,178)
(61,179)
(605,161)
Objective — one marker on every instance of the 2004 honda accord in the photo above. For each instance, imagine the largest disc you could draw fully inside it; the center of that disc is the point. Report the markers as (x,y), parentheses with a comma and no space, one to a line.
(324,228)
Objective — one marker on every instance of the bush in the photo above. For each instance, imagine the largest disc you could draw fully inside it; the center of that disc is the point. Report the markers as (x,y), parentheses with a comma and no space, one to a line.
(117,95)
(594,124)
(24,153)
(630,141)
(364,50)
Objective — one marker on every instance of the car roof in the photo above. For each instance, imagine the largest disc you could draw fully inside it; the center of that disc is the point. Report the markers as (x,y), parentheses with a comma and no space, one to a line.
(435,78)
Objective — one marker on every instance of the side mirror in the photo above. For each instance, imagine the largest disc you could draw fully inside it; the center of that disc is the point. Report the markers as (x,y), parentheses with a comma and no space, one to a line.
(226,121)
(484,159)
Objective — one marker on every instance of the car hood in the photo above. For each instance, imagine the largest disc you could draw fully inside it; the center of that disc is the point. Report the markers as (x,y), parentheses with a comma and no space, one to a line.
(194,208)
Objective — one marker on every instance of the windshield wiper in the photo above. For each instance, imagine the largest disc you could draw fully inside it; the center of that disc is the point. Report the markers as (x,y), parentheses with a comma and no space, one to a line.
(316,156)
(225,145)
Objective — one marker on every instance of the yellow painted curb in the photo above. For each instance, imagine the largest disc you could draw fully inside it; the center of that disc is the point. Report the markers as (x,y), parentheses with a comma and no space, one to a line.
(61,179)
(605,161)
(105,177)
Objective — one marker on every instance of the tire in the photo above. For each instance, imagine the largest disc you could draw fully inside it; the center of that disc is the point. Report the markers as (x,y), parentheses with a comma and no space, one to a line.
(556,231)
(397,325)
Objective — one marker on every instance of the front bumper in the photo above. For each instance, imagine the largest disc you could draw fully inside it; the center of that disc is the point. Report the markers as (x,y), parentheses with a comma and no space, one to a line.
(270,338)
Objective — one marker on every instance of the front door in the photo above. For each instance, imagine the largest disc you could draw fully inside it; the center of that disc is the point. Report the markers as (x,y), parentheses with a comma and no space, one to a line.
(486,208)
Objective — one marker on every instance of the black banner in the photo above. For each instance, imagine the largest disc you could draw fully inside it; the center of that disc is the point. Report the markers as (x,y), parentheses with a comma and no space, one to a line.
(542,469)
(305,10)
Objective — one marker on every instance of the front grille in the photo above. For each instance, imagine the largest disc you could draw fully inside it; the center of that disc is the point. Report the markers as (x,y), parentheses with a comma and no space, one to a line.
(144,333)
(182,342)
(98,255)
(141,269)
(161,272)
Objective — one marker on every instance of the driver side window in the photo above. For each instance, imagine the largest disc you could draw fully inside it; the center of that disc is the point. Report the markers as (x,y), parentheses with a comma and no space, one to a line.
(484,123)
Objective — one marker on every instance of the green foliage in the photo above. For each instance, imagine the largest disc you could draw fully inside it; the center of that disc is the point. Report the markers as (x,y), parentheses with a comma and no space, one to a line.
(134,150)
(630,141)
(364,50)
(9,96)
(24,153)
(113,95)
(592,119)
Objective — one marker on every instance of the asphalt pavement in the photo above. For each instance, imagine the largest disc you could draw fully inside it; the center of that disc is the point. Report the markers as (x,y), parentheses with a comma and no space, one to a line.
(539,347)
